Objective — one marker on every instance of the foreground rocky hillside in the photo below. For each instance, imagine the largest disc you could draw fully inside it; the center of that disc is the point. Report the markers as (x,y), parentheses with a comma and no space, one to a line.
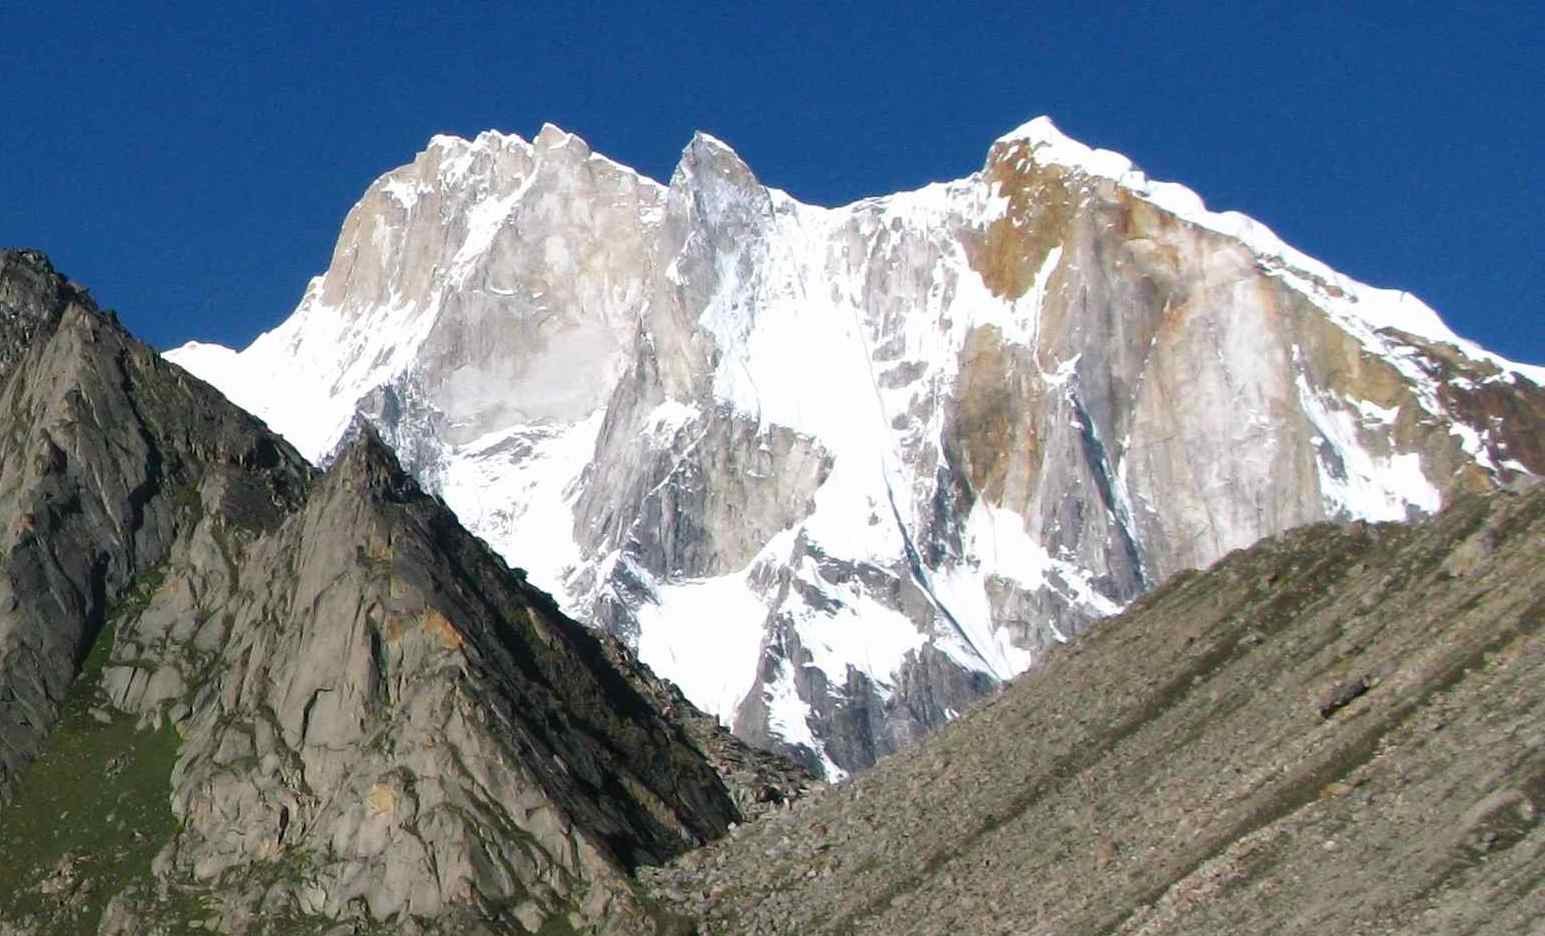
(1338,730)
(840,471)
(243,696)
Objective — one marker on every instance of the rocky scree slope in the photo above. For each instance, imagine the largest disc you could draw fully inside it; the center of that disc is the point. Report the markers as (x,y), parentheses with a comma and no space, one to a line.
(837,472)
(236,694)
(1341,729)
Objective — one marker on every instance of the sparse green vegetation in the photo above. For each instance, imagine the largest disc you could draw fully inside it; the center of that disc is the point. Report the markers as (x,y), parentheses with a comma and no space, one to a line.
(89,815)
(228,553)
(130,605)
(185,498)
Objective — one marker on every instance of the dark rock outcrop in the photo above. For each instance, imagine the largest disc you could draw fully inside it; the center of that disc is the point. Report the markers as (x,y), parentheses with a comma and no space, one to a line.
(103,447)
(337,707)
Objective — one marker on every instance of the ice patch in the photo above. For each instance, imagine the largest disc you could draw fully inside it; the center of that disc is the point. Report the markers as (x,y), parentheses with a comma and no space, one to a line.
(515,488)
(705,635)
(973,641)
(403,189)
(1473,443)
(1355,482)
(1019,321)
(484,222)
(1000,545)
(1373,414)
(788,717)
(996,544)
(860,632)
(665,420)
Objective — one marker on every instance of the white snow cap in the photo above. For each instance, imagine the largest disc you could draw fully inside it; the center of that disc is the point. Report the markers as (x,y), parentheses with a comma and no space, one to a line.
(1357,304)
(708,139)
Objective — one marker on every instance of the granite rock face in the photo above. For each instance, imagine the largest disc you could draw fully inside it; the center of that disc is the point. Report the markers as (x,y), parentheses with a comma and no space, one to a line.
(367,718)
(838,472)
(1179,770)
(102,438)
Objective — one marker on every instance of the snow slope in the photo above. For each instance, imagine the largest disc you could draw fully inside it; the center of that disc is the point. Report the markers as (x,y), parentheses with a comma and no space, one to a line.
(837,471)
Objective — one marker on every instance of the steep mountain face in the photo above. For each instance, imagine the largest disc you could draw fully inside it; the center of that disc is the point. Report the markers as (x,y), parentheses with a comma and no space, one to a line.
(237,694)
(1334,731)
(838,472)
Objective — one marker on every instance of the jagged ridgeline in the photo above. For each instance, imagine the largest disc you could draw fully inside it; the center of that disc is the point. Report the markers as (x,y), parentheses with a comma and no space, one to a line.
(839,472)
(237,693)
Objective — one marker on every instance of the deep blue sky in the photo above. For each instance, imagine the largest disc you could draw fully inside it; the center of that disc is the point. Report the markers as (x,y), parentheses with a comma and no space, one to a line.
(193,165)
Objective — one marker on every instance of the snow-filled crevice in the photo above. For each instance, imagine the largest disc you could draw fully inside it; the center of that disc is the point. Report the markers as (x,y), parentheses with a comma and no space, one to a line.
(920,576)
(909,544)
(1355,482)
(1106,482)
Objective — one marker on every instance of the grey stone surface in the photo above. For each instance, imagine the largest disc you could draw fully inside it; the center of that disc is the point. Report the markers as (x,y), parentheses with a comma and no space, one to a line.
(592,370)
(1172,771)
(103,444)
(378,722)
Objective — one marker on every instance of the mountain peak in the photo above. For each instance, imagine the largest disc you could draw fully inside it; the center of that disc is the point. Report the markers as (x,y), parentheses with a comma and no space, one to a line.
(13,258)
(705,139)
(33,296)
(1039,129)
(363,461)
(27,277)
(553,138)
(1365,310)
(452,159)
(899,447)
(708,156)
(1049,145)
(552,134)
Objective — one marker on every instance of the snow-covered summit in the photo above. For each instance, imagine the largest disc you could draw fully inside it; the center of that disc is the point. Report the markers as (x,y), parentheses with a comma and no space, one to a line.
(838,471)
(1355,303)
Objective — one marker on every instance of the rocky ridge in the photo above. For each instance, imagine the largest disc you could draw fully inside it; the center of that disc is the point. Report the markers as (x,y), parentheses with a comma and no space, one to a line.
(239,694)
(1335,730)
(839,472)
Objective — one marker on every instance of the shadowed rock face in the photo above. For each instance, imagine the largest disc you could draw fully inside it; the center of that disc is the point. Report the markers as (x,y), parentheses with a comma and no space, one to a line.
(906,444)
(1335,730)
(375,720)
(104,445)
